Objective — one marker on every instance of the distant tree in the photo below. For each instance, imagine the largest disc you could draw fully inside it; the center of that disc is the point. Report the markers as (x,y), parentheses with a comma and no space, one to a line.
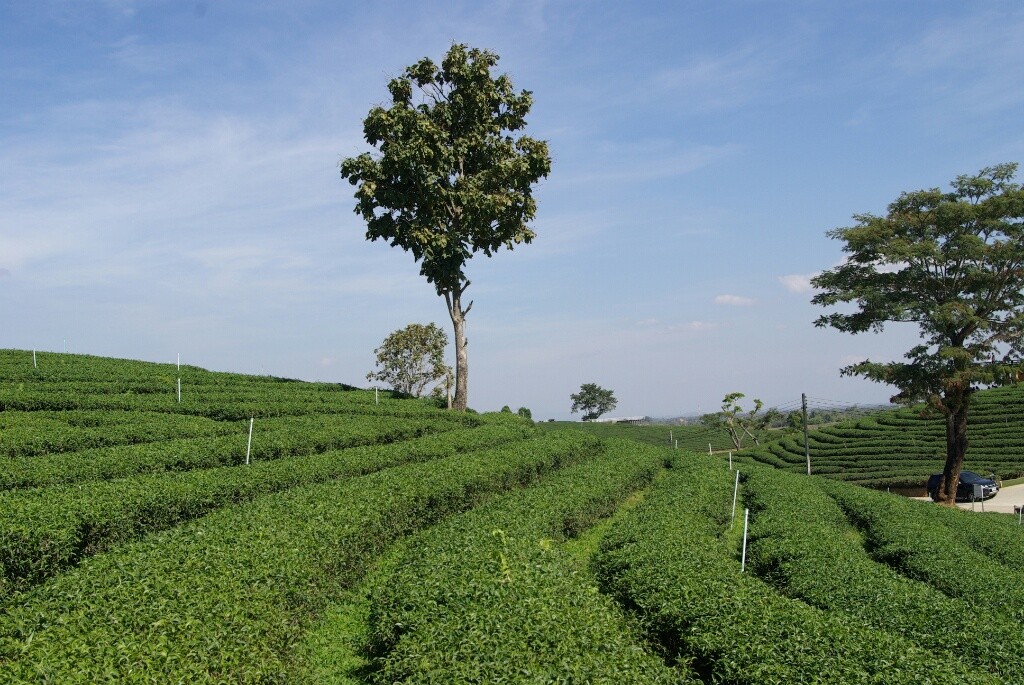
(738,424)
(953,265)
(506,409)
(412,358)
(450,179)
(525,413)
(592,400)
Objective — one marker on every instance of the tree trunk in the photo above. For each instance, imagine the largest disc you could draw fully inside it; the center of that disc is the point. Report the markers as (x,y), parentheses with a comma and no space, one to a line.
(956,449)
(458,315)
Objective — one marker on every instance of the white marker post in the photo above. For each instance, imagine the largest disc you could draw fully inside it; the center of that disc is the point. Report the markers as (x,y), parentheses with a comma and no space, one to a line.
(735,492)
(709,449)
(179,391)
(34,365)
(730,461)
(746,520)
(670,438)
(376,400)
(677,444)
(179,361)
(248,448)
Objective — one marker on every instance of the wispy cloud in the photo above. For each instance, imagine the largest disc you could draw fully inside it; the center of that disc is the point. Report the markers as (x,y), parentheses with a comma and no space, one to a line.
(798,283)
(734,300)
(719,81)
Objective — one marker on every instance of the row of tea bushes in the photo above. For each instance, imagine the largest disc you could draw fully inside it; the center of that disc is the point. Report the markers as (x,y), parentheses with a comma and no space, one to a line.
(272,439)
(225,598)
(490,597)
(803,544)
(908,537)
(30,434)
(901,448)
(43,532)
(668,561)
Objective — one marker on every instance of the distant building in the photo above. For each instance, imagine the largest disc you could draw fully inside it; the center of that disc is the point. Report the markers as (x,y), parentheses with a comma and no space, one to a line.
(634,420)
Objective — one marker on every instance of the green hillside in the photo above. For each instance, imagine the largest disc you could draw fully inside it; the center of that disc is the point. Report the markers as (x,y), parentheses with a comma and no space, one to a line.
(371,539)
(901,448)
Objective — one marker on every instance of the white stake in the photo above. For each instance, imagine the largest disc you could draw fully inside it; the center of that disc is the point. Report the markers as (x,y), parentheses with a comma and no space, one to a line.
(677,444)
(376,400)
(34,365)
(248,447)
(670,437)
(735,492)
(179,391)
(179,361)
(746,519)
(730,461)
(709,449)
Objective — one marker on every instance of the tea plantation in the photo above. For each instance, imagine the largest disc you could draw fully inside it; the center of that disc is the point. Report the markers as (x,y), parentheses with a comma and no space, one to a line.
(901,448)
(371,539)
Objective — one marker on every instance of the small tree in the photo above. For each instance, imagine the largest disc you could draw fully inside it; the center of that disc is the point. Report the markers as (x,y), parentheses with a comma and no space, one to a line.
(738,424)
(412,358)
(592,400)
(525,413)
(450,179)
(951,264)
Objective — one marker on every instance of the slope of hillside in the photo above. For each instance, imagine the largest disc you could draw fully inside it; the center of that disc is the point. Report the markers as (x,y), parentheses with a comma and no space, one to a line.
(368,539)
(901,448)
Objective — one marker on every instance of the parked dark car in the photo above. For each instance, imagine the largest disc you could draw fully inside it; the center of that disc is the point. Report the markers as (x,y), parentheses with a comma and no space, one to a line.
(965,488)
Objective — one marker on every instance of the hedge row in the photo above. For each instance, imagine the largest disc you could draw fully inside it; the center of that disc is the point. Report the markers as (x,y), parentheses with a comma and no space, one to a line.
(231,405)
(29,434)
(489,596)
(999,536)
(908,536)
(225,598)
(667,561)
(272,439)
(803,544)
(44,532)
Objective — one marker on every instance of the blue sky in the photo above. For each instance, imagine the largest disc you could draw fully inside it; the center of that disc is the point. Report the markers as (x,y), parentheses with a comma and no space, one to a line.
(169,183)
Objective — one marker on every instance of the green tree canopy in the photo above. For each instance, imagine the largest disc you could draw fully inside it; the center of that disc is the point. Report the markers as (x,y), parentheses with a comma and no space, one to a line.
(952,264)
(592,400)
(412,358)
(449,178)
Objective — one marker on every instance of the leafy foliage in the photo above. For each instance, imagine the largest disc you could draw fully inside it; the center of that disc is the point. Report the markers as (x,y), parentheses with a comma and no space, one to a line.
(953,265)
(592,400)
(738,424)
(412,358)
(668,559)
(450,178)
(464,598)
(798,530)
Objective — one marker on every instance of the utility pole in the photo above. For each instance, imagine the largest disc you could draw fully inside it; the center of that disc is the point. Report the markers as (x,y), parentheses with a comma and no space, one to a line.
(807,450)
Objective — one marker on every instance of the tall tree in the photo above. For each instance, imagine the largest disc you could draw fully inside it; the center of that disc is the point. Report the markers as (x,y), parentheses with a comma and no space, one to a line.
(449,179)
(412,358)
(953,265)
(592,400)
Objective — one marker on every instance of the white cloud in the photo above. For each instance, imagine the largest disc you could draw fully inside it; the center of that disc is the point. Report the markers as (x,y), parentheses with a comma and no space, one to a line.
(734,300)
(702,326)
(798,283)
